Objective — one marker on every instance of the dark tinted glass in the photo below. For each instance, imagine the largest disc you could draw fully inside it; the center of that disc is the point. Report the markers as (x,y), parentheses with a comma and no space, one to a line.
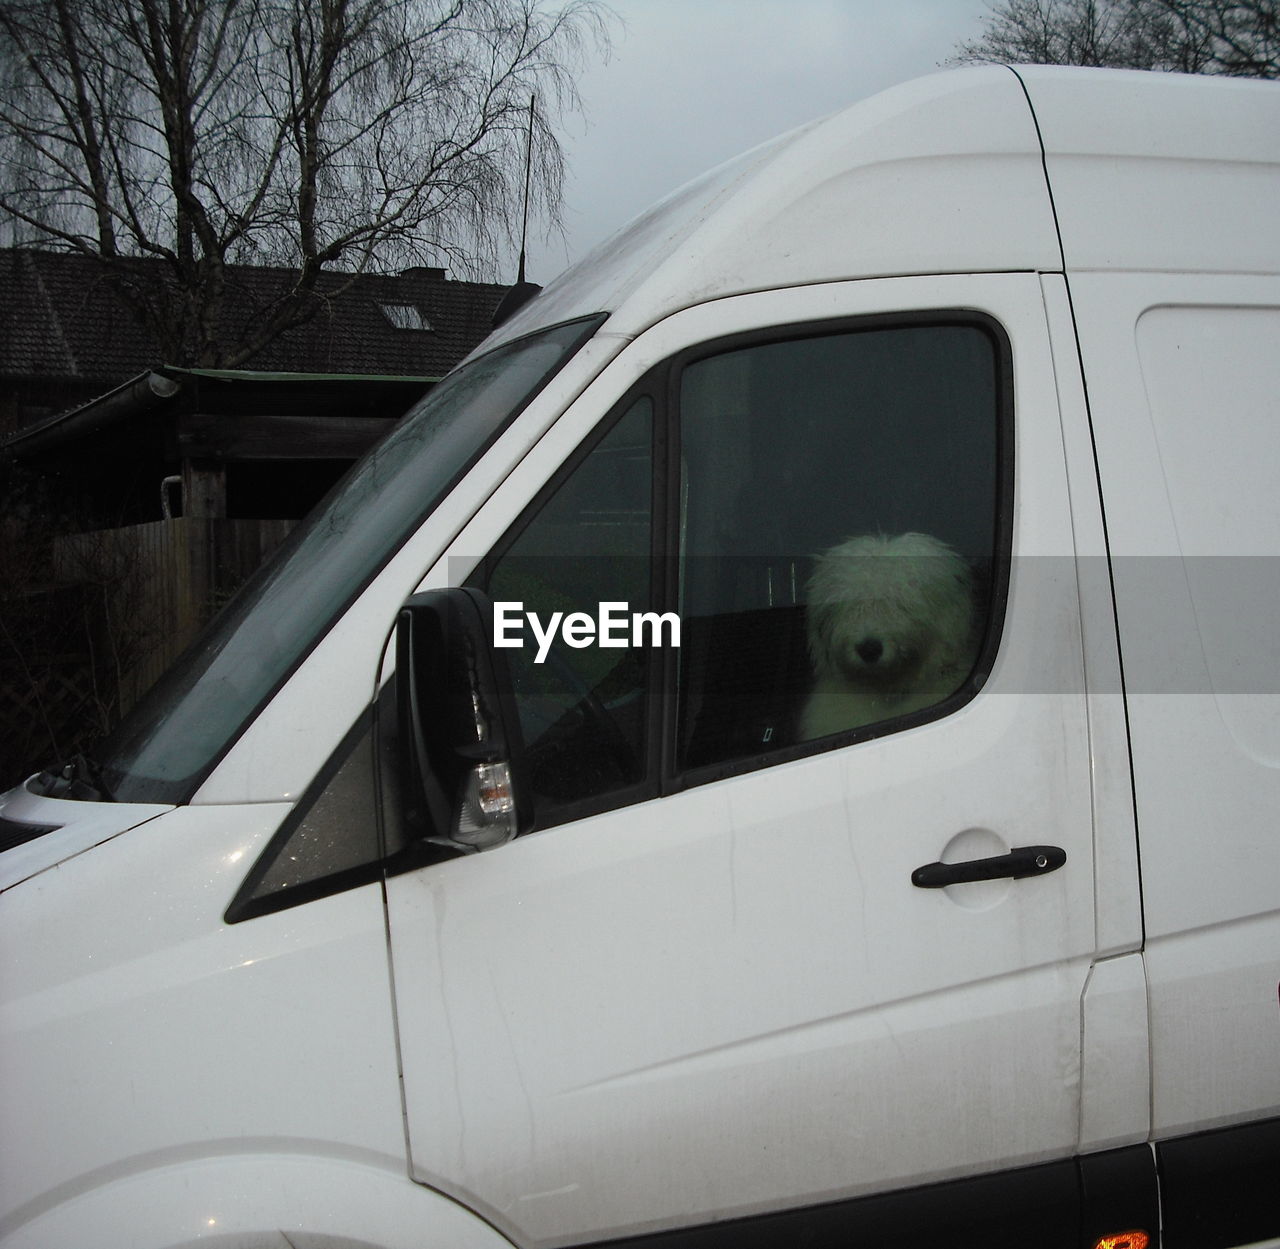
(838,523)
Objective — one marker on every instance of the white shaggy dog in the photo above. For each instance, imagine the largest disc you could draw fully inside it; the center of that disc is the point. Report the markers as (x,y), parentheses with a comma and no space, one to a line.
(892,629)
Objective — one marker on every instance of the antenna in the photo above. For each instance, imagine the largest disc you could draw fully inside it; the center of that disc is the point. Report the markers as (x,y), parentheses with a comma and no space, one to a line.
(522,291)
(528,173)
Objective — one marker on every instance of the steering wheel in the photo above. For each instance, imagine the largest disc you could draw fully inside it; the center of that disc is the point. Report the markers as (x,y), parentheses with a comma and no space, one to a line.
(595,713)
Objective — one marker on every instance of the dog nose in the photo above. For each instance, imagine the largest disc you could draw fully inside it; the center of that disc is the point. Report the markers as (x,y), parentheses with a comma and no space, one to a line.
(869,650)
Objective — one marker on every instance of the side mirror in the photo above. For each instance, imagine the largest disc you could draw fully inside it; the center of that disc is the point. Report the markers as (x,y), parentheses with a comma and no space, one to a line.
(458,731)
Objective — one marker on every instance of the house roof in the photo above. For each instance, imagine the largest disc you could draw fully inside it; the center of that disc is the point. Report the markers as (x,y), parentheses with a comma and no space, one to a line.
(62,317)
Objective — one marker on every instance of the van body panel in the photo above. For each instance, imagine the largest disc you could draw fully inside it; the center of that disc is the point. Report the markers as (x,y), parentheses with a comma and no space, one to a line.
(1165,172)
(657,928)
(141,1034)
(1115,1067)
(1117,887)
(77,827)
(261,1196)
(1188,463)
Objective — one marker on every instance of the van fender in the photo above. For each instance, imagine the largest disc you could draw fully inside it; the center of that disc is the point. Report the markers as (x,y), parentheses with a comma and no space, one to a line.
(252,1201)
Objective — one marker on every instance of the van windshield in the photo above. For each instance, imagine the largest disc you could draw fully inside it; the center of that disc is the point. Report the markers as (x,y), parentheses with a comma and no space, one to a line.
(170,742)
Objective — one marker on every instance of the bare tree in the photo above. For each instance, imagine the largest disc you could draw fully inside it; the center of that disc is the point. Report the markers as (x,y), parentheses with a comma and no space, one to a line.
(1235,37)
(1243,38)
(320,135)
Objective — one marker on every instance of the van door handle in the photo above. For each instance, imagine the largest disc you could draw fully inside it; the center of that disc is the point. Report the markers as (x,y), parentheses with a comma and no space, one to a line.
(1019,862)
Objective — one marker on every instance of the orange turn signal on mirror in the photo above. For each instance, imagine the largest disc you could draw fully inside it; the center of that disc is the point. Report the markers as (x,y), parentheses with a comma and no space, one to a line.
(1123,1240)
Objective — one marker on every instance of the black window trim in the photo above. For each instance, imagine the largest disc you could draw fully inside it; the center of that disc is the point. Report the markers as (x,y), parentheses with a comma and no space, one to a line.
(250,903)
(1065,1203)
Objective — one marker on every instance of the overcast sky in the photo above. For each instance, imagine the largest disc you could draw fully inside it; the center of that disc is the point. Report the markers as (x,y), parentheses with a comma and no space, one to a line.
(691,83)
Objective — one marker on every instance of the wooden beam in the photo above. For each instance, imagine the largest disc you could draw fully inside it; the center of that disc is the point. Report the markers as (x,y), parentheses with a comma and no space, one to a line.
(204,490)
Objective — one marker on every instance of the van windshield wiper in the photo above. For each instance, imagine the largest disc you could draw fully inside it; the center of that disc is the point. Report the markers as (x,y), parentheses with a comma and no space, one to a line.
(79,779)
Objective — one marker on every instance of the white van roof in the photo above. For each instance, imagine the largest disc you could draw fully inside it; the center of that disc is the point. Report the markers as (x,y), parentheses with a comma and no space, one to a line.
(1161,172)
(946,174)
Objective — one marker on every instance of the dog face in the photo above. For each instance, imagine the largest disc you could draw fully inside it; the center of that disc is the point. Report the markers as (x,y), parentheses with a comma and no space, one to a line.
(890,612)
(873,642)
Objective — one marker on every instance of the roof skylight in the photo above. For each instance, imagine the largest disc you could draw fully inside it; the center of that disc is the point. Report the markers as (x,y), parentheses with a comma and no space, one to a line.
(405,316)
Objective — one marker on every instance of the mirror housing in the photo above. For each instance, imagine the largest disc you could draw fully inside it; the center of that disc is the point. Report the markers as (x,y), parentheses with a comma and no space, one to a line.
(458,731)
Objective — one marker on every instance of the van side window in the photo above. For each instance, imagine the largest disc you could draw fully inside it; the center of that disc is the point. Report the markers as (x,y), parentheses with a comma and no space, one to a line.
(821,514)
(582,708)
(838,514)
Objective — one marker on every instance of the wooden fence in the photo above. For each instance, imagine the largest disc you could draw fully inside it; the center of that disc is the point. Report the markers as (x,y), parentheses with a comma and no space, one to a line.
(117,609)
(169,579)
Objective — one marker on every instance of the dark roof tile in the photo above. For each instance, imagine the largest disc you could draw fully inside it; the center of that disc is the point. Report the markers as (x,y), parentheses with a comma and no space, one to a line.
(61,317)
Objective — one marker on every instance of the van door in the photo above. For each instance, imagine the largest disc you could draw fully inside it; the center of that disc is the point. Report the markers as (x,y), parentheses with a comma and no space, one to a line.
(725,977)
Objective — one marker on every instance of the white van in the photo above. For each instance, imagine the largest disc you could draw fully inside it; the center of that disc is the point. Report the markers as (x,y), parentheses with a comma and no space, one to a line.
(369,931)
